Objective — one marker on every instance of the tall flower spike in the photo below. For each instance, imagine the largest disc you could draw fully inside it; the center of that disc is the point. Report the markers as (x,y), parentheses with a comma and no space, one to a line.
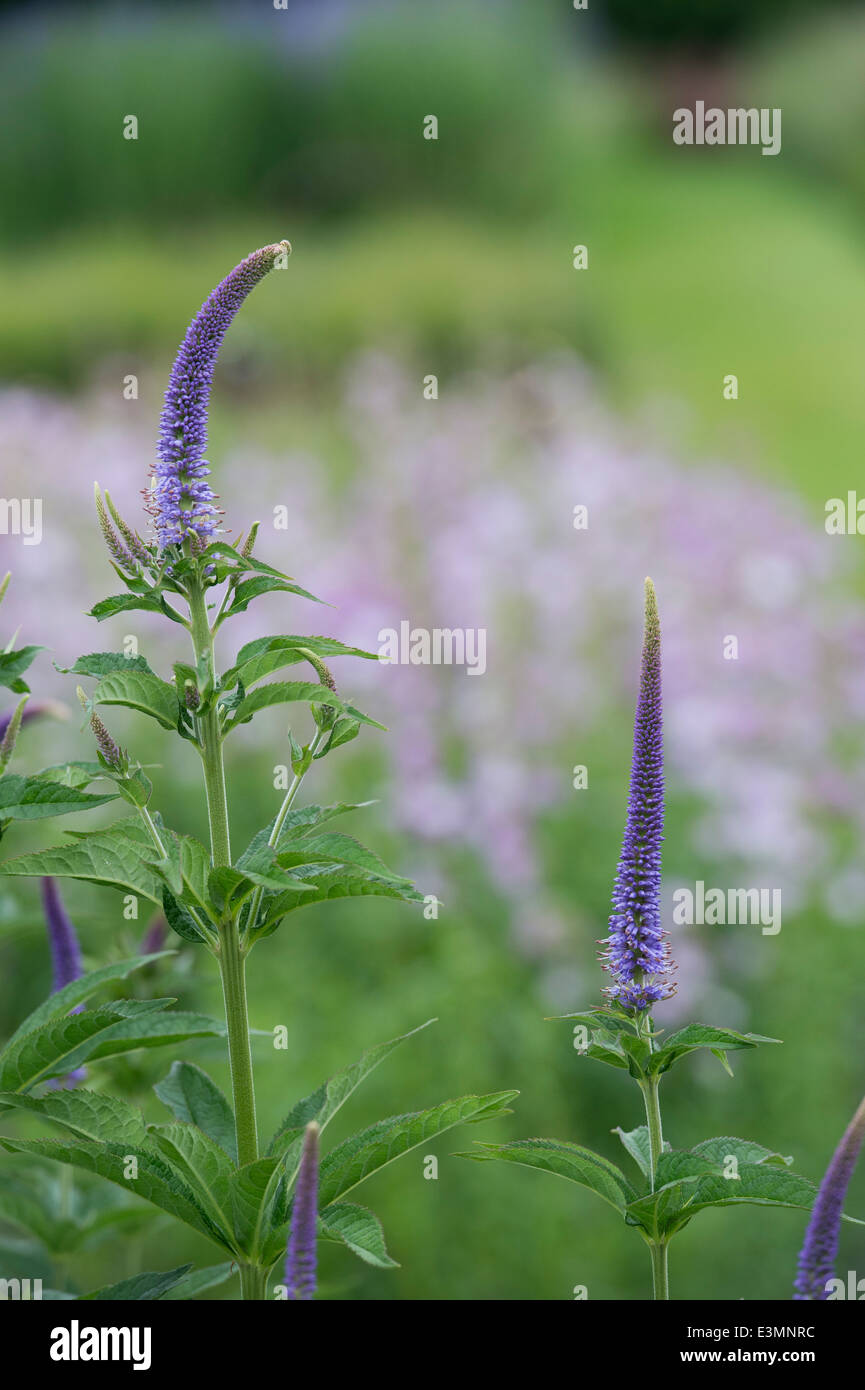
(820,1248)
(182,501)
(65,951)
(300,1260)
(65,958)
(636,952)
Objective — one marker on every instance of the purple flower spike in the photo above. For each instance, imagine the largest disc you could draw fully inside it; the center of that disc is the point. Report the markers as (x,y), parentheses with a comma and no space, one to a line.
(153,939)
(182,501)
(636,952)
(66,958)
(300,1260)
(65,951)
(817,1256)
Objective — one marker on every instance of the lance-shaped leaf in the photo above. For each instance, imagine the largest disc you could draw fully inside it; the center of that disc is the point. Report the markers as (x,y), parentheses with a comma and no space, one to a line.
(148,1176)
(151,601)
(672,1206)
(322,1104)
(297,823)
(101,664)
(255,1191)
(697,1035)
(156,1030)
(140,690)
(86,1114)
(637,1143)
(292,692)
(359,1229)
(565,1160)
(357,1158)
(204,1167)
(725,1147)
(199,1280)
(79,773)
(75,993)
(34,798)
(268,654)
(13,665)
(191,1096)
(248,589)
(113,858)
(63,1044)
(334,848)
(139,1288)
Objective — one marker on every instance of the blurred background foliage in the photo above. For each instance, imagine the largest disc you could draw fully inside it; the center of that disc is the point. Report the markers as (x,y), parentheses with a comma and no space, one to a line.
(454,256)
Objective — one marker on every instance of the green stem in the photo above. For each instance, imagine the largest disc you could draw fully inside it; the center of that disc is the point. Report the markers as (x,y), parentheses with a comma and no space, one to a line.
(232,968)
(660,1281)
(230,952)
(253,1282)
(658,1247)
(273,838)
(649,1088)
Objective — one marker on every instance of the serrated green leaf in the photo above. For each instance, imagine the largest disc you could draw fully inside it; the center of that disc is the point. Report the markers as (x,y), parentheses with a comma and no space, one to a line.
(179,919)
(155,1030)
(34,798)
(125,603)
(255,1189)
(13,665)
(199,1280)
(297,823)
(203,1166)
(142,691)
(321,1105)
(248,589)
(357,1158)
(672,1206)
(87,1114)
(697,1035)
(291,692)
(192,1097)
(360,1230)
(636,1141)
(60,1046)
(334,848)
(156,1181)
(111,857)
(565,1160)
(139,1288)
(100,664)
(67,998)
(743,1150)
(268,654)
(74,774)
(329,883)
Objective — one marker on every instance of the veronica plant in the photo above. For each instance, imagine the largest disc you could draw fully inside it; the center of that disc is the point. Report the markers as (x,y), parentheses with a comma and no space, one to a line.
(208,1168)
(673,1185)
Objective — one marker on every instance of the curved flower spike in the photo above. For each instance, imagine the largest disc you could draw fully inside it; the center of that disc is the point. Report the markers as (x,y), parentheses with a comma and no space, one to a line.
(182,501)
(820,1248)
